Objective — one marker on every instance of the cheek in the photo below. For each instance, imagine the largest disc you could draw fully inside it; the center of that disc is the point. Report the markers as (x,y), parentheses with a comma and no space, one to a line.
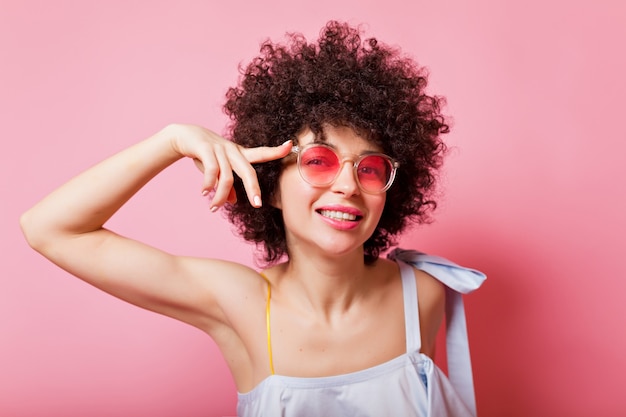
(377,207)
(286,187)
(378,203)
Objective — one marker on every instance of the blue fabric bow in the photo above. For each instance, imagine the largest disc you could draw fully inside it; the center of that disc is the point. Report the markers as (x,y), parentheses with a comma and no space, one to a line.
(461,279)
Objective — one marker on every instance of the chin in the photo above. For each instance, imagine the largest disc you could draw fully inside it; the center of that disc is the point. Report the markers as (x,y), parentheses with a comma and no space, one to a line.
(338,249)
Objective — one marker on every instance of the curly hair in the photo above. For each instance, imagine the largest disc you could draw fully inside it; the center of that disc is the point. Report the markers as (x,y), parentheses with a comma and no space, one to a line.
(340,80)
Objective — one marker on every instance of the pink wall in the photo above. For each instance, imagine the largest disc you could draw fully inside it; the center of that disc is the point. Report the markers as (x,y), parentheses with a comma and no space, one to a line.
(534,191)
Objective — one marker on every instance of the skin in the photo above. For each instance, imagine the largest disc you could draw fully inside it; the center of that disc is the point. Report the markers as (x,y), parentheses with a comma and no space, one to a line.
(331,314)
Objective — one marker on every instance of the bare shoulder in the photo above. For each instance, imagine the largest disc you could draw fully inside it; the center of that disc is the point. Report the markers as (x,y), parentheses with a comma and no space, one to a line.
(431,291)
(431,297)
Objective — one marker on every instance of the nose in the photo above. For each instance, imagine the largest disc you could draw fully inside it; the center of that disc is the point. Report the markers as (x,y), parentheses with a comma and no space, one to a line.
(346,182)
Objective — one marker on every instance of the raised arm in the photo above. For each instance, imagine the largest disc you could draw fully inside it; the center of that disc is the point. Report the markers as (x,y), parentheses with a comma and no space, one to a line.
(67,226)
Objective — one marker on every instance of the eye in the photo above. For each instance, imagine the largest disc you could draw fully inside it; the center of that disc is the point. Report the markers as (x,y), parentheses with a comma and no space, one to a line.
(373,167)
(319,157)
(316,161)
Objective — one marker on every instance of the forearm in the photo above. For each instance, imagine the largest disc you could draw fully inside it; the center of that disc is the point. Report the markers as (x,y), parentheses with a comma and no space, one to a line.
(88,200)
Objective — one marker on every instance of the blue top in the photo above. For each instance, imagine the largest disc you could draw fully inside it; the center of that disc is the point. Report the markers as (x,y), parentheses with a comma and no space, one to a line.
(409,385)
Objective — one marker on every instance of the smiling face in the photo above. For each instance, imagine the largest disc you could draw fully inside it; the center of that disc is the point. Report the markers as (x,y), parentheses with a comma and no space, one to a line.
(337,218)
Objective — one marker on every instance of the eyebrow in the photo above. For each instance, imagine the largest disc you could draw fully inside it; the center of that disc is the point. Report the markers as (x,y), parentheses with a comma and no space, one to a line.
(322,138)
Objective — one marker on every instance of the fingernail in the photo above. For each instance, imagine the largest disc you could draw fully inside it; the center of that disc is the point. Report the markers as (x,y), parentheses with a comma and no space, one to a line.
(205,193)
(214,209)
(286,142)
(257,201)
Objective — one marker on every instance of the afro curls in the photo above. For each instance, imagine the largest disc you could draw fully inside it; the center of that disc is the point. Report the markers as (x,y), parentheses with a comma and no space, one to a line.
(340,80)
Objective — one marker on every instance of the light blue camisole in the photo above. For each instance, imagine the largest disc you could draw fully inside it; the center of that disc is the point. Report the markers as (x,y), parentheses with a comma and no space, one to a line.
(409,385)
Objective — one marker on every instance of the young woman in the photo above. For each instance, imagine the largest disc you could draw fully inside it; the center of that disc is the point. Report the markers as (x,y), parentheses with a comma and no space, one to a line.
(334,150)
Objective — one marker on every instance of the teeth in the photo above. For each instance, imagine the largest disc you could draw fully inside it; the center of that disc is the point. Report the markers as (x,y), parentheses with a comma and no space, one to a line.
(338,215)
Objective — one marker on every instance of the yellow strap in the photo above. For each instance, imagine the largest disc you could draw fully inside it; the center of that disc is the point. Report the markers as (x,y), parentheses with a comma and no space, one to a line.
(267,322)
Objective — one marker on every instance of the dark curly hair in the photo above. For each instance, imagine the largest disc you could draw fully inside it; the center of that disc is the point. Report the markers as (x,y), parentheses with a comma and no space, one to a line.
(340,80)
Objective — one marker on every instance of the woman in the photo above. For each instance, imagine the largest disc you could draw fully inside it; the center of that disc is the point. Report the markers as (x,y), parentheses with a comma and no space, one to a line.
(335,146)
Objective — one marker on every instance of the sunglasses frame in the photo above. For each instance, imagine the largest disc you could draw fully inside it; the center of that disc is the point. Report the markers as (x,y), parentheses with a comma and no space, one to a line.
(298,150)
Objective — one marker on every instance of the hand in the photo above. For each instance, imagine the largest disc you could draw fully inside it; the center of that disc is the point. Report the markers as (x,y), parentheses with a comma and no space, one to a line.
(218,157)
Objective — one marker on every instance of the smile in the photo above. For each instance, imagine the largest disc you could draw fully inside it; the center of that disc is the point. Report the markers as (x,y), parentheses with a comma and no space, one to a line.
(338,215)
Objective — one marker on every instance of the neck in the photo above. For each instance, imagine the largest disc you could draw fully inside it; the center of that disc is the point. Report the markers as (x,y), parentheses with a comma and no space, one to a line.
(326,285)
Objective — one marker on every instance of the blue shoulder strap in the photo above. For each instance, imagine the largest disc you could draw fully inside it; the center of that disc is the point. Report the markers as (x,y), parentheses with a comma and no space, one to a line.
(458,280)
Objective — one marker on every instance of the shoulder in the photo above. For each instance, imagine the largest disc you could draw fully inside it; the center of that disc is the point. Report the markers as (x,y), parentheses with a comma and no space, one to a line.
(430,290)
(431,296)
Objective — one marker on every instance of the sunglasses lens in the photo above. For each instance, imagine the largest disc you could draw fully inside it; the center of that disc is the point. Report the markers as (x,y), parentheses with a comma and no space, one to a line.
(374,172)
(319,165)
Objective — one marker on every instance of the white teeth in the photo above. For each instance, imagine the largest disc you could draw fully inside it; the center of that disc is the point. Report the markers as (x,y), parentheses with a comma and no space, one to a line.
(338,215)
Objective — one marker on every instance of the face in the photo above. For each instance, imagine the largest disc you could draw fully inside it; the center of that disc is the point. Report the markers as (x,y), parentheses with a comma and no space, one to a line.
(335,218)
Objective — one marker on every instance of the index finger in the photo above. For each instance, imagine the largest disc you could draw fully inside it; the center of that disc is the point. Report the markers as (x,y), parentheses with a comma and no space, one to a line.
(267,153)
(247,173)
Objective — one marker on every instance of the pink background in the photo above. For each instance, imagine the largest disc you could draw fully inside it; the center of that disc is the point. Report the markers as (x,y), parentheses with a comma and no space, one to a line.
(534,190)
